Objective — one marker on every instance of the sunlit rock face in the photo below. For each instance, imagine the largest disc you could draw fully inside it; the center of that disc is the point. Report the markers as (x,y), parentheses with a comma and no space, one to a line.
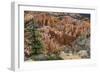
(60,32)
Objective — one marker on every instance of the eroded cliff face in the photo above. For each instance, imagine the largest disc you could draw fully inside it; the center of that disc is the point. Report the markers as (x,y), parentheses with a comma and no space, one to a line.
(60,32)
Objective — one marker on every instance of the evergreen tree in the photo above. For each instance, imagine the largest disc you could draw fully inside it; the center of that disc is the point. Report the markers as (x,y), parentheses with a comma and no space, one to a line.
(35,38)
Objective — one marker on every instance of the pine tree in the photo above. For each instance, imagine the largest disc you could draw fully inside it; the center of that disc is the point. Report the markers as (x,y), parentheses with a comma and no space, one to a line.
(36,42)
